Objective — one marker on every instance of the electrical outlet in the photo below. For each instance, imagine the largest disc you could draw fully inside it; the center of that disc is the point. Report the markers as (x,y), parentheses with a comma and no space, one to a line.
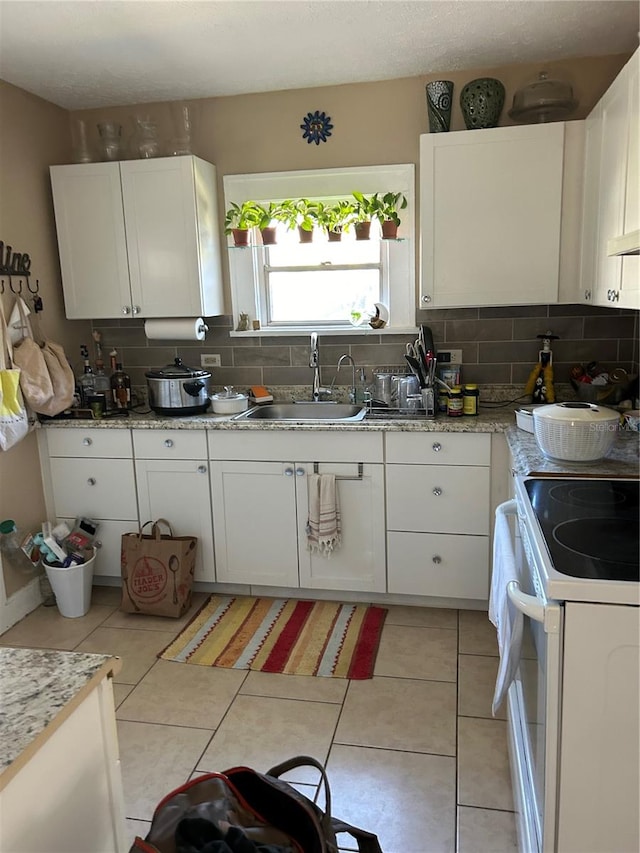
(452,356)
(456,356)
(210,360)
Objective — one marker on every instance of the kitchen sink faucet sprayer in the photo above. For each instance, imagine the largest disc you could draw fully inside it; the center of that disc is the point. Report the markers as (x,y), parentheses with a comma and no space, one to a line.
(314,364)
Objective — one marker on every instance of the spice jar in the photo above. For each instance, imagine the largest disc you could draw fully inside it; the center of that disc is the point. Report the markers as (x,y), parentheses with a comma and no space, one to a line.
(454,403)
(470,400)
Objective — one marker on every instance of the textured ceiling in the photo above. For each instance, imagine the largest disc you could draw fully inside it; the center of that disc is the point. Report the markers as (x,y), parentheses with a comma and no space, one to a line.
(92,53)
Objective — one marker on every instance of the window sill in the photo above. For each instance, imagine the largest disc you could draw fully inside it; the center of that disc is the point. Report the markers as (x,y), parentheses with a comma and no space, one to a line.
(362,331)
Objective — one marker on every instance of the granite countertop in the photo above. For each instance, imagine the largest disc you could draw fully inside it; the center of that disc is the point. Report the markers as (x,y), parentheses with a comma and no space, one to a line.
(36,687)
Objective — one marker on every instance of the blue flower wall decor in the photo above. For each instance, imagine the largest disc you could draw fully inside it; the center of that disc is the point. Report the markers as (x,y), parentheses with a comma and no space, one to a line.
(317,127)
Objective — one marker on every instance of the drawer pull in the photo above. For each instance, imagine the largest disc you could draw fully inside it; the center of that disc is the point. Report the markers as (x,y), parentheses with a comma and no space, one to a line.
(168,442)
(202,469)
(436,446)
(288,472)
(98,543)
(300,472)
(436,559)
(87,442)
(91,481)
(437,491)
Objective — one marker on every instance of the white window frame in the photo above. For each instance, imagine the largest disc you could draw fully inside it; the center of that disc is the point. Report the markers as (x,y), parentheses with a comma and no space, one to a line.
(398,256)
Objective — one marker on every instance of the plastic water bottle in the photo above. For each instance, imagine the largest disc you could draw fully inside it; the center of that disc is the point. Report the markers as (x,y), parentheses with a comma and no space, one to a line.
(12,553)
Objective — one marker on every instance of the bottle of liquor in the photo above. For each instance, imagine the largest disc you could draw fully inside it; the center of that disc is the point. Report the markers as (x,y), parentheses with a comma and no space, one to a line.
(101,380)
(120,388)
(87,380)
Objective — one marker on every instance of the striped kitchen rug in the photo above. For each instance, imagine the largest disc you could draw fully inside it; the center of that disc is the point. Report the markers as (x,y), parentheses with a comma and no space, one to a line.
(323,638)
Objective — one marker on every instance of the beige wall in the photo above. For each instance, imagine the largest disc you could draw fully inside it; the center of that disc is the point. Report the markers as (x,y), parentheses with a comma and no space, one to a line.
(33,133)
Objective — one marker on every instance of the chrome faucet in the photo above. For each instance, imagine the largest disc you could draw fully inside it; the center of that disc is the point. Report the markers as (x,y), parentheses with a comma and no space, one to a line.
(314,364)
(352,390)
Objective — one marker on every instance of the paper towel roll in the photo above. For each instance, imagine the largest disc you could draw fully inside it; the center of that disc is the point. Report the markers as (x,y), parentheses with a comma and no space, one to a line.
(180,329)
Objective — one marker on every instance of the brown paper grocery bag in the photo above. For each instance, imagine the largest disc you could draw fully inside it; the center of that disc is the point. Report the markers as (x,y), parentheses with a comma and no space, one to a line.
(157,571)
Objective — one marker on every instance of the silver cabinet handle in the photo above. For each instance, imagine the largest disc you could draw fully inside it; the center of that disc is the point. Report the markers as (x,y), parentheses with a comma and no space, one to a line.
(300,472)
(91,481)
(202,469)
(98,543)
(168,443)
(587,296)
(87,442)
(436,446)
(126,309)
(426,298)
(288,472)
(437,491)
(135,310)
(436,559)
(613,295)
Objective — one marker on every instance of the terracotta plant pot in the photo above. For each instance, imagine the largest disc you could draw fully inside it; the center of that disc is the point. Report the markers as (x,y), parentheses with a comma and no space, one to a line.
(389,230)
(268,235)
(305,236)
(362,230)
(240,236)
(334,236)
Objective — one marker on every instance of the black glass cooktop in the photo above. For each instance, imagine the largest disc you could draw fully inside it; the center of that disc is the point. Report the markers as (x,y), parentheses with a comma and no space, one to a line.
(591,527)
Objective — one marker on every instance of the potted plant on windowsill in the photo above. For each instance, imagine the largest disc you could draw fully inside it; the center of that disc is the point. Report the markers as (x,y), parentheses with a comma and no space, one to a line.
(361,216)
(302,214)
(385,209)
(269,215)
(240,218)
(334,218)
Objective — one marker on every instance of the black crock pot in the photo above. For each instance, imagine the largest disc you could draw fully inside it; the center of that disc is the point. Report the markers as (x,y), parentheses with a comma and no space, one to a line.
(178,390)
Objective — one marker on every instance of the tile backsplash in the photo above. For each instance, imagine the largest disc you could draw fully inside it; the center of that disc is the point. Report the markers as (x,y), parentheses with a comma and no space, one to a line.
(499,347)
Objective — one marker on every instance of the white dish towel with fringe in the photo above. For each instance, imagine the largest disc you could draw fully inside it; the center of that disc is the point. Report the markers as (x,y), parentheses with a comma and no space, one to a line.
(324,532)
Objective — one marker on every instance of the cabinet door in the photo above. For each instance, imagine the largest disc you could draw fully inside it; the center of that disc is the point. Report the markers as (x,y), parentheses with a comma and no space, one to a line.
(491,204)
(359,563)
(91,240)
(611,192)
(98,488)
(592,155)
(630,290)
(160,221)
(178,490)
(255,525)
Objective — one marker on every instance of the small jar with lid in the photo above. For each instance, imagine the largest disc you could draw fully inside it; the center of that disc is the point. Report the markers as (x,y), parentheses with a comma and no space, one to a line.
(470,400)
(454,403)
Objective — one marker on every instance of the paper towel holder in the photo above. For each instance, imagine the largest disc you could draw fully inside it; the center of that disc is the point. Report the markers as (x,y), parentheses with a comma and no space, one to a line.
(203,328)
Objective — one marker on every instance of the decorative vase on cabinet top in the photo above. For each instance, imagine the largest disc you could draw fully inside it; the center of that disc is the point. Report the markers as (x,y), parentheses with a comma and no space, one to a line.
(439,93)
(481,101)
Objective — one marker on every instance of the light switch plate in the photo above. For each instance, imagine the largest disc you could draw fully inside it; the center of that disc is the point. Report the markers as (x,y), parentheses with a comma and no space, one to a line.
(452,356)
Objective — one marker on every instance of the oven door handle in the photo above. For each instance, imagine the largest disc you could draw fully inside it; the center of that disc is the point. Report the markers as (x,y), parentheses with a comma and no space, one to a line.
(527,604)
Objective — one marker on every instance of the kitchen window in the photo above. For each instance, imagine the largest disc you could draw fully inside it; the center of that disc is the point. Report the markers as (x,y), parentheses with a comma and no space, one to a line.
(293,287)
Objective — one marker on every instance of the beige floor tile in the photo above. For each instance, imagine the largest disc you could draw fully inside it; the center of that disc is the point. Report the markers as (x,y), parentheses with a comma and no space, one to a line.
(120,693)
(137,827)
(45,628)
(182,695)
(410,652)
(110,596)
(477,634)
(484,778)
(295,687)
(145,622)
(155,760)
(260,732)
(476,685)
(405,798)
(426,617)
(138,649)
(400,713)
(486,831)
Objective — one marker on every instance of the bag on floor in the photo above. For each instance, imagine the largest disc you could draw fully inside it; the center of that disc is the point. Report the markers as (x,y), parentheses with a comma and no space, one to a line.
(157,571)
(248,812)
(14,422)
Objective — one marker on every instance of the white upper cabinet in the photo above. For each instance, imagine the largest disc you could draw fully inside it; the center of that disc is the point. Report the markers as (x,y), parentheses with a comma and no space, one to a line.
(139,238)
(491,209)
(611,194)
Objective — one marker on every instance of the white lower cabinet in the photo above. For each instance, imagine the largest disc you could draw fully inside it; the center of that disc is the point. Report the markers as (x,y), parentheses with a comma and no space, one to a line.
(172,475)
(438,514)
(260,510)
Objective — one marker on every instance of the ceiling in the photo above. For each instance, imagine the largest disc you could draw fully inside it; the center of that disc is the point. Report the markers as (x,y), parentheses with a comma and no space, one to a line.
(102,53)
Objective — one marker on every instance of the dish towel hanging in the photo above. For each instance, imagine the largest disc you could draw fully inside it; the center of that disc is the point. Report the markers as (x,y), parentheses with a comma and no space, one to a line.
(503,613)
(324,532)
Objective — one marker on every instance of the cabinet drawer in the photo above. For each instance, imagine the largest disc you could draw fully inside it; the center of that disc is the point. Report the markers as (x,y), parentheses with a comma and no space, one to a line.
(90,443)
(99,488)
(169,444)
(438,565)
(439,448)
(287,445)
(437,499)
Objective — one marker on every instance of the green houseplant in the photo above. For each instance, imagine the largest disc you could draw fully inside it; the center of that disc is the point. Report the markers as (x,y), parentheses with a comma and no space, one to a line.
(301,213)
(385,209)
(362,214)
(334,218)
(240,218)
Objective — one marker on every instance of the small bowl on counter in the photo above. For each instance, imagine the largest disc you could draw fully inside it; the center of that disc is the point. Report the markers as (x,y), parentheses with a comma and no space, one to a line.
(228,402)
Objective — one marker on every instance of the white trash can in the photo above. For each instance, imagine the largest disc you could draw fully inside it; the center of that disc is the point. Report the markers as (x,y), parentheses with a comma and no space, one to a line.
(72,587)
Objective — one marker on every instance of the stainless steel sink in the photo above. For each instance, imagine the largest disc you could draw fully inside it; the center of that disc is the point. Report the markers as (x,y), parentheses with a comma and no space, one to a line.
(324,412)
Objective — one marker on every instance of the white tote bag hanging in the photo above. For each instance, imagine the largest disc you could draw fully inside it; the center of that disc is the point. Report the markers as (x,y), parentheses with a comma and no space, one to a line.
(14,423)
